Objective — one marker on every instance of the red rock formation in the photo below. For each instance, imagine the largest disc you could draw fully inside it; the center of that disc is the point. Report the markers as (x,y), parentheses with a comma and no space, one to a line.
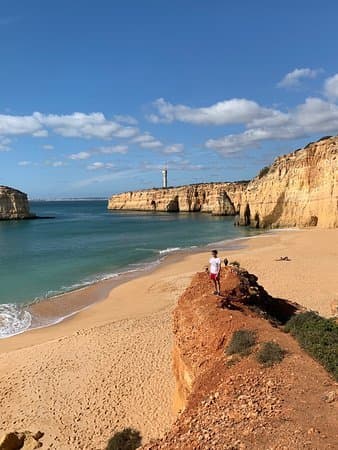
(235,403)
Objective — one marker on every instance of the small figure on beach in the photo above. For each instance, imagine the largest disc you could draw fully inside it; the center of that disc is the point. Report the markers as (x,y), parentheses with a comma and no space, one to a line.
(226,262)
(215,270)
(237,220)
(283,258)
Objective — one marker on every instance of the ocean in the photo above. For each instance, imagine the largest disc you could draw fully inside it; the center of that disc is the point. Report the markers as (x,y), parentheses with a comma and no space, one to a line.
(86,243)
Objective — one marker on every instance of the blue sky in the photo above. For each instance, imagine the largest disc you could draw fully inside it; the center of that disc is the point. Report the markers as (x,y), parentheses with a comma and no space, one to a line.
(95,96)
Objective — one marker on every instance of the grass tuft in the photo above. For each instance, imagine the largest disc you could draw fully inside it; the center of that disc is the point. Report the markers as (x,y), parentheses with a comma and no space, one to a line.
(318,336)
(241,342)
(235,263)
(269,354)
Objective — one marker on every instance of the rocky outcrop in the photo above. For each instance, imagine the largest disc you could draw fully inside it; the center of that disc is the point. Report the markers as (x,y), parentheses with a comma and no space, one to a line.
(21,441)
(214,198)
(234,402)
(13,204)
(299,189)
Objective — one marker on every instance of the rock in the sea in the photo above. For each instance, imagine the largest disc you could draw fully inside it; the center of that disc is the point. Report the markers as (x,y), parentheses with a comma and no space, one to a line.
(13,204)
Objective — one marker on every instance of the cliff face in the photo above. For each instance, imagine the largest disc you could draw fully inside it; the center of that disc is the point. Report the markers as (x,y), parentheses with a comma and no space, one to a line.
(300,189)
(13,204)
(233,402)
(214,198)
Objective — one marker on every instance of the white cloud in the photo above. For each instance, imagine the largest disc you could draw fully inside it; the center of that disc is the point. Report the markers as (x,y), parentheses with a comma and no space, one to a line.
(236,110)
(294,78)
(146,140)
(58,164)
(55,163)
(100,165)
(80,156)
(174,148)
(4,144)
(121,149)
(48,147)
(146,137)
(331,87)
(151,144)
(129,120)
(77,124)
(24,163)
(18,125)
(313,116)
(40,133)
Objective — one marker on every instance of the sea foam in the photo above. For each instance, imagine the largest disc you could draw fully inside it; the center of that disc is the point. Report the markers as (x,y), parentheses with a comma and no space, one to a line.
(13,320)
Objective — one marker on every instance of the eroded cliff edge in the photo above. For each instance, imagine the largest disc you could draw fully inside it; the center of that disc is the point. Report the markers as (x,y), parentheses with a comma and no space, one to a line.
(237,403)
(299,189)
(13,204)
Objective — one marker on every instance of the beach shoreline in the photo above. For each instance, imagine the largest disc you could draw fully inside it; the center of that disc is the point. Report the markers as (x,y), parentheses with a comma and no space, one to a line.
(50,311)
(109,367)
(97,296)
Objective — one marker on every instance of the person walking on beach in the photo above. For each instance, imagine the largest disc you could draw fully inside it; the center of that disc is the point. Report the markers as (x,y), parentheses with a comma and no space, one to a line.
(215,271)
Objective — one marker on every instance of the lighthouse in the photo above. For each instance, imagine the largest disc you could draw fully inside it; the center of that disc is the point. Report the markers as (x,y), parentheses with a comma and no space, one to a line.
(164,177)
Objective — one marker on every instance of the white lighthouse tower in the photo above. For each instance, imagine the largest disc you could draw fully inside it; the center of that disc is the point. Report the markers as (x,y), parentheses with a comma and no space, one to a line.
(165,177)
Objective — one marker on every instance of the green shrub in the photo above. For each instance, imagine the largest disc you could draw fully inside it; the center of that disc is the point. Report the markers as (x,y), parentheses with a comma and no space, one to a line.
(263,171)
(241,342)
(128,439)
(318,336)
(235,263)
(270,353)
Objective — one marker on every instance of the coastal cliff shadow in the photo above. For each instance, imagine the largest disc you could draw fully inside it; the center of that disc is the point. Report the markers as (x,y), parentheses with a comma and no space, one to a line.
(277,310)
(127,439)
(249,294)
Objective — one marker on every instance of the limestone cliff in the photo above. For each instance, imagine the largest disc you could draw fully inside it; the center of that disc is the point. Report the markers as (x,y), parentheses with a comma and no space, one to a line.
(300,189)
(13,204)
(214,198)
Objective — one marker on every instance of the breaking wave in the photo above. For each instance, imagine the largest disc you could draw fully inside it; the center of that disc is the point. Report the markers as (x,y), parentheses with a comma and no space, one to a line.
(13,320)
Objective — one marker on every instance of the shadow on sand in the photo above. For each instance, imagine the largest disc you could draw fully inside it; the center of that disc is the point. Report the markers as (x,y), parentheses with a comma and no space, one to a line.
(127,439)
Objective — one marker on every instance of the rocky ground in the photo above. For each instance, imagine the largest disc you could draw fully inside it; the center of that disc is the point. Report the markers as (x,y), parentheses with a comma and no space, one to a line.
(236,403)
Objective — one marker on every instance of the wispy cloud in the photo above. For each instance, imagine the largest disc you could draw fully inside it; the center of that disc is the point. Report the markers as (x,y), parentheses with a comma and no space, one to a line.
(331,87)
(294,78)
(105,150)
(100,165)
(236,110)
(174,148)
(55,163)
(4,144)
(129,120)
(80,156)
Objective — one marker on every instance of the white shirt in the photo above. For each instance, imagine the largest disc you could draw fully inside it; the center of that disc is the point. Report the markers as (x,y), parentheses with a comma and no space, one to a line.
(215,264)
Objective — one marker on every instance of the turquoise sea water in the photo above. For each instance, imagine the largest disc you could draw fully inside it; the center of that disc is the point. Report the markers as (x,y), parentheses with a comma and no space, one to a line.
(85,243)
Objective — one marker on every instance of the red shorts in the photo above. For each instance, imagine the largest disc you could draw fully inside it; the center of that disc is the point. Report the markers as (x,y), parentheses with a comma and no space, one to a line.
(214,276)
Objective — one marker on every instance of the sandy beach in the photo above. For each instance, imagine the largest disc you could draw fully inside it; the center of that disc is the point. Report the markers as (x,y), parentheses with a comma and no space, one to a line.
(109,366)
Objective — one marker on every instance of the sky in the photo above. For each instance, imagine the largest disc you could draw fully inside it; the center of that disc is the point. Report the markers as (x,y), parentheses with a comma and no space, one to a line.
(97,96)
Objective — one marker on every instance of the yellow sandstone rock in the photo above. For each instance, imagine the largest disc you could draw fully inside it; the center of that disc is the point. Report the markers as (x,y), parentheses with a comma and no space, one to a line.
(300,189)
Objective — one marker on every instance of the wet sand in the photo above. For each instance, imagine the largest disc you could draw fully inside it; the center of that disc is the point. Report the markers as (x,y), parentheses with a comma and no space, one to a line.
(109,366)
